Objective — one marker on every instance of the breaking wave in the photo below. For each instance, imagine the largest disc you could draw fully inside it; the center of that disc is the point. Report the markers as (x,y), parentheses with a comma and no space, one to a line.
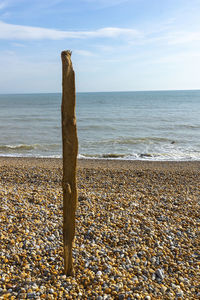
(25,147)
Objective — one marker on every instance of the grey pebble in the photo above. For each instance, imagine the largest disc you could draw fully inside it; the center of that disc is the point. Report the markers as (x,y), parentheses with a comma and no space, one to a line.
(179,294)
(51,291)
(160,274)
(31,295)
(153,276)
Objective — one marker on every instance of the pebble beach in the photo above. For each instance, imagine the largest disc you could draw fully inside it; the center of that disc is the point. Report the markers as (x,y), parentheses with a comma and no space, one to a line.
(137,230)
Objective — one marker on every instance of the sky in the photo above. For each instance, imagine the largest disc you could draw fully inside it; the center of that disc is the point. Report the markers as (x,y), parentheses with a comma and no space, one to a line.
(117,45)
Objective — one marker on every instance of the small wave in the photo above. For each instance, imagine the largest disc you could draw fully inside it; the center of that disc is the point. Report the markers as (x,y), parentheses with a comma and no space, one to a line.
(134,141)
(16,147)
(189,126)
(102,156)
(112,155)
(148,156)
(25,147)
(145,155)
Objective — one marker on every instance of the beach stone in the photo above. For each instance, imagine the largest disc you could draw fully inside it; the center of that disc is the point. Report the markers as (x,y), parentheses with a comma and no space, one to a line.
(99,273)
(31,295)
(153,260)
(22,295)
(153,277)
(160,274)
(163,289)
(175,287)
(34,286)
(179,294)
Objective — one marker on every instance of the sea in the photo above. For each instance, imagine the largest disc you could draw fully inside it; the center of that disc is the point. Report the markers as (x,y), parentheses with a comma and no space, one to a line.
(155,125)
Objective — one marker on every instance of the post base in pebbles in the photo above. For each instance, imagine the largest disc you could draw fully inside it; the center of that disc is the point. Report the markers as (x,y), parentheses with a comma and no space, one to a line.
(68,267)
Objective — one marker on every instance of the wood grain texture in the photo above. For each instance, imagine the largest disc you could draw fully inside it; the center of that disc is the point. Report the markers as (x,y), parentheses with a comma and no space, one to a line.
(70,151)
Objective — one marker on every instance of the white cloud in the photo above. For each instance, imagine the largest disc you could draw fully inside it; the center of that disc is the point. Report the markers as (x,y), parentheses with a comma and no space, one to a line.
(173,38)
(183,37)
(84,53)
(19,32)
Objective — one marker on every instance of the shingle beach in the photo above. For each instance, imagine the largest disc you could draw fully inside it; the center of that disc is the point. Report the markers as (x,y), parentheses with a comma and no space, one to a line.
(137,230)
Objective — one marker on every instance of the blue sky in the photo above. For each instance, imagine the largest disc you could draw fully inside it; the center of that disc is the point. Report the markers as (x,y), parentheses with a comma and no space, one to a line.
(117,45)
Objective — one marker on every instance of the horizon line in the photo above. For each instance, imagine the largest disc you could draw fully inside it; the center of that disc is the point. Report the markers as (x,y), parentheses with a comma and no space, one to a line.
(114,91)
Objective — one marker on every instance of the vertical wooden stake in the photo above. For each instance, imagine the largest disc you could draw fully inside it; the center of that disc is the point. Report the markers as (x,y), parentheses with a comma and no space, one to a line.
(70,150)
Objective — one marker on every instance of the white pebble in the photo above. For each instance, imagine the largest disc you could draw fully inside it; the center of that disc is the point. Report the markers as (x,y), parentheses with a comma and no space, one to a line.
(99,273)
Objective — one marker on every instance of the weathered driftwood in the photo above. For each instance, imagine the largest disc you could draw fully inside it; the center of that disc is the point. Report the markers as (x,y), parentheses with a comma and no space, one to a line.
(70,150)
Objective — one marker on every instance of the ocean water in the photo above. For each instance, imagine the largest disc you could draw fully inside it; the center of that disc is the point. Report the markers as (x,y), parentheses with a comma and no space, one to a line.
(161,125)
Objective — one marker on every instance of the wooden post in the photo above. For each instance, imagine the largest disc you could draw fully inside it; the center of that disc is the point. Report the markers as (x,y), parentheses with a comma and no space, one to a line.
(70,151)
